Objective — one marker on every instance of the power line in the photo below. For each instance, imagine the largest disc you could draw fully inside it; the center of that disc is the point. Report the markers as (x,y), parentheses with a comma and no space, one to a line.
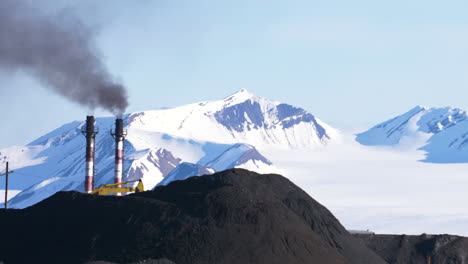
(19,173)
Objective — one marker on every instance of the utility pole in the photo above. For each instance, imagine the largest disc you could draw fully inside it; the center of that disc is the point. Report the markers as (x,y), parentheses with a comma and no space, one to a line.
(6,184)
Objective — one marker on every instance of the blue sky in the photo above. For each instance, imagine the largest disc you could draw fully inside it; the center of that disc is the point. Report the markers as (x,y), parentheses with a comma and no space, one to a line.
(351,63)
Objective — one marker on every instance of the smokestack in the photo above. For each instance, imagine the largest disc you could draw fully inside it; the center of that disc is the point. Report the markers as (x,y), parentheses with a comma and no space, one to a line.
(119,135)
(90,133)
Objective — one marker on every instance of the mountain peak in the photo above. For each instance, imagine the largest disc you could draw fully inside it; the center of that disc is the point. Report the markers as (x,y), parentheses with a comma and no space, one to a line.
(240,96)
(243,92)
(419,108)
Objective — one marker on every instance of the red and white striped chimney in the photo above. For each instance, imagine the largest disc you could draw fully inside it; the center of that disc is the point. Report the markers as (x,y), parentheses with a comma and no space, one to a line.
(90,133)
(119,136)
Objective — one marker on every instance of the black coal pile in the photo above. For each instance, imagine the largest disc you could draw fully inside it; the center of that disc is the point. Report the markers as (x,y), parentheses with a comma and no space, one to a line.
(235,216)
(149,261)
(404,249)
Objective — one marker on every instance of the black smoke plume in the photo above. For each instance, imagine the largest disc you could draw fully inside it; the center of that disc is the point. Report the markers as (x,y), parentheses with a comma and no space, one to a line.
(59,51)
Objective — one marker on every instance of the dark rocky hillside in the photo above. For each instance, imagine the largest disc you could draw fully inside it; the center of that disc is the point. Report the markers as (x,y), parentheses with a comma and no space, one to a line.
(433,249)
(235,216)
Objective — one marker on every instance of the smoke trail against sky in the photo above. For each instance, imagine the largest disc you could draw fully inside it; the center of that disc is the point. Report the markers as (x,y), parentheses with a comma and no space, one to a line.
(59,51)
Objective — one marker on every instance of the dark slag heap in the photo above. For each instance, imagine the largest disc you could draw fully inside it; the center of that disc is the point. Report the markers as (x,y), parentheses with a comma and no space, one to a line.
(234,216)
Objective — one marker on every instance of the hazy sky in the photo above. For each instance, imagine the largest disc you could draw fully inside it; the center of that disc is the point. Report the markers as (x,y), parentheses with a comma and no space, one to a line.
(350,63)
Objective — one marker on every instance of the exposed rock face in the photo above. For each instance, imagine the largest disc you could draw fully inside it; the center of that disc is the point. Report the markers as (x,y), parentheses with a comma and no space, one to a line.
(235,216)
(403,249)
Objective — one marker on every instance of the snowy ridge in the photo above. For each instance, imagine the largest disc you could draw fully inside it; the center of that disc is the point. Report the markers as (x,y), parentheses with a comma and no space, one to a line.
(184,171)
(151,166)
(236,156)
(441,132)
(180,142)
(239,118)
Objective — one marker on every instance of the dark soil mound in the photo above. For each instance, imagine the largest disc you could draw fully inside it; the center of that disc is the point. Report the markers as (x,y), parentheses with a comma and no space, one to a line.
(403,249)
(235,216)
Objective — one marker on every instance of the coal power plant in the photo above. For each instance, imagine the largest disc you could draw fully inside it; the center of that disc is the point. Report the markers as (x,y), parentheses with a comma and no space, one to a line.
(90,132)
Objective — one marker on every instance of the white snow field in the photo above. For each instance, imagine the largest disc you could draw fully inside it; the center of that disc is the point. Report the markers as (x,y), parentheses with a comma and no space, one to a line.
(385,190)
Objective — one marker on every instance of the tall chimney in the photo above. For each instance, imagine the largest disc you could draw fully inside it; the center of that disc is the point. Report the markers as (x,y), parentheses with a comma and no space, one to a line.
(119,135)
(90,133)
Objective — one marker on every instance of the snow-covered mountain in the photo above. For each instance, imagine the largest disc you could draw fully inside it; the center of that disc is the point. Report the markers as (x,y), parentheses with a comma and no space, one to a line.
(238,156)
(174,143)
(441,132)
(239,118)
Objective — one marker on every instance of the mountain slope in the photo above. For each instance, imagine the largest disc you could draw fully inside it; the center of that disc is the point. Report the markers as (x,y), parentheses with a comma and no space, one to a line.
(235,216)
(441,132)
(151,165)
(185,171)
(238,156)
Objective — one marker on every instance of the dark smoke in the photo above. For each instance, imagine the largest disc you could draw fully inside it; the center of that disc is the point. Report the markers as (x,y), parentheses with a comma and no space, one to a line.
(59,51)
